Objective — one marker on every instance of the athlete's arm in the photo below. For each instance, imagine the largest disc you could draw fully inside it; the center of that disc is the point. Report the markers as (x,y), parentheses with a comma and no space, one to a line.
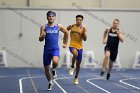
(120,35)
(65,38)
(84,33)
(42,33)
(69,27)
(105,35)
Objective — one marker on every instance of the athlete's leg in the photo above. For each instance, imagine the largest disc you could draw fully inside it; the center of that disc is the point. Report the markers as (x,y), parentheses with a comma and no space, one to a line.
(47,73)
(106,60)
(73,61)
(47,62)
(55,60)
(112,59)
(109,70)
(75,54)
(110,66)
(48,76)
(78,62)
(55,64)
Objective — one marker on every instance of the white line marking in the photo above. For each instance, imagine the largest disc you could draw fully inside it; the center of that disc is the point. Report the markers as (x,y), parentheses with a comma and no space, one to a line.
(32,82)
(123,87)
(97,85)
(122,81)
(64,91)
(124,76)
(18,75)
(20,82)
(12,76)
(55,81)
(83,89)
(20,86)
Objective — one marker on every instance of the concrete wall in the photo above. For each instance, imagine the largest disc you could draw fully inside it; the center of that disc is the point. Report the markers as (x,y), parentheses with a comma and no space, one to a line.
(21,51)
(15,3)
(68,3)
(65,3)
(121,3)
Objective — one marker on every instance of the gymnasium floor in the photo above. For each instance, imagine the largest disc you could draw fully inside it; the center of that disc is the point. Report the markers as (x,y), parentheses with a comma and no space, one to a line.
(31,80)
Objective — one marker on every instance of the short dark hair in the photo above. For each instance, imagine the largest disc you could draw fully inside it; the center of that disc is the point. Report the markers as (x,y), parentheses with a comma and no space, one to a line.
(51,13)
(80,16)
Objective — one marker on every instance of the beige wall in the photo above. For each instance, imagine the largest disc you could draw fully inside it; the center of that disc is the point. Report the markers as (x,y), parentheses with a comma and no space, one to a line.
(122,3)
(18,3)
(82,3)
(65,3)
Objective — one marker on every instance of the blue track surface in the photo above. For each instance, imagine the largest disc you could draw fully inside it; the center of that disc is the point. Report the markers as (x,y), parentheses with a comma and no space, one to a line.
(30,80)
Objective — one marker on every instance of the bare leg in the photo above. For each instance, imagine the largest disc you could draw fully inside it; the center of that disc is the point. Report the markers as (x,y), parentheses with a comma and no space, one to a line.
(75,54)
(47,73)
(48,76)
(110,66)
(77,68)
(55,64)
(106,60)
(109,70)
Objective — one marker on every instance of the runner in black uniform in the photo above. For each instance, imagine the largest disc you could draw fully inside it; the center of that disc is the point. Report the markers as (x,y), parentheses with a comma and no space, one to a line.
(111,48)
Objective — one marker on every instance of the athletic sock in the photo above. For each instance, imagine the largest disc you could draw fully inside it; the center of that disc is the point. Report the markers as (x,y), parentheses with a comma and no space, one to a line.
(50,82)
(53,69)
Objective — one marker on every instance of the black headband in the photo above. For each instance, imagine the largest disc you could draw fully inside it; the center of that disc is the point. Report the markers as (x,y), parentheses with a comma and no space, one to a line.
(51,13)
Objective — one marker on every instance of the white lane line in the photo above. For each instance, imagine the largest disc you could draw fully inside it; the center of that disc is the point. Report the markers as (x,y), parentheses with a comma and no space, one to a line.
(120,85)
(62,89)
(32,82)
(122,81)
(123,87)
(129,76)
(18,75)
(83,89)
(55,81)
(12,76)
(88,80)
(20,82)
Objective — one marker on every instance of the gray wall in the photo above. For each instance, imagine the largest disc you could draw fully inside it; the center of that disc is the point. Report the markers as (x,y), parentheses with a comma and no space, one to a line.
(68,3)
(21,51)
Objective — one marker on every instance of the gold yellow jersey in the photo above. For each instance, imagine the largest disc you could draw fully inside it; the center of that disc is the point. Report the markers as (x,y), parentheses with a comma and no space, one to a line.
(76,37)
